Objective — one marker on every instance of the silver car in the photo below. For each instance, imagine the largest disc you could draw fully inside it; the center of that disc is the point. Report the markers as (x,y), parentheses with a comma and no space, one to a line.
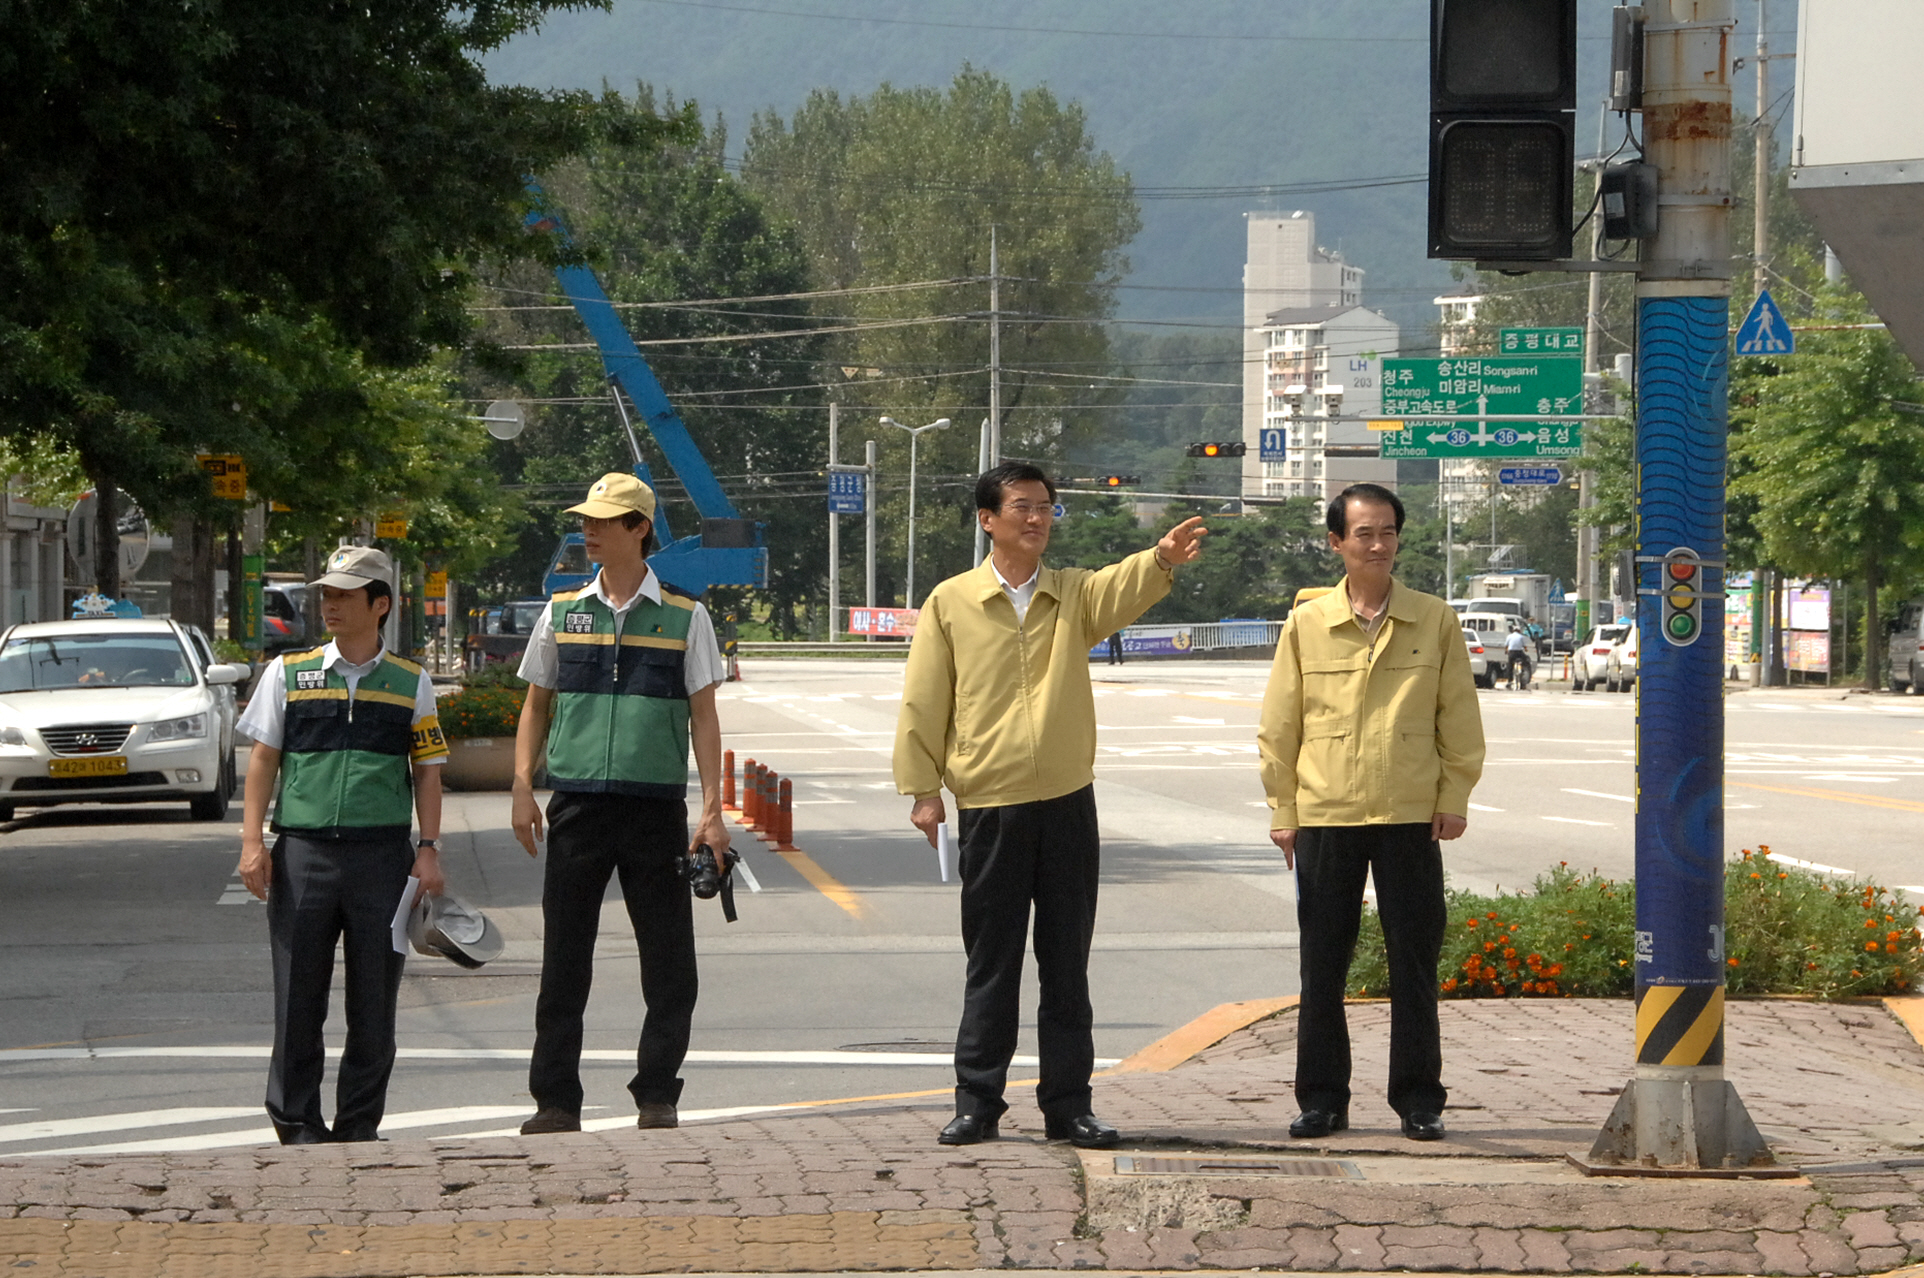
(115,711)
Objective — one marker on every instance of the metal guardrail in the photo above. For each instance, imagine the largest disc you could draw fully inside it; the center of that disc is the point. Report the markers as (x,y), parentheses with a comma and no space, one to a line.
(1196,639)
(1213,636)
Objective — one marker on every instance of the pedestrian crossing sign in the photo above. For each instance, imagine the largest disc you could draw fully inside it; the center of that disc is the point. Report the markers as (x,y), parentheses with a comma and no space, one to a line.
(1764,331)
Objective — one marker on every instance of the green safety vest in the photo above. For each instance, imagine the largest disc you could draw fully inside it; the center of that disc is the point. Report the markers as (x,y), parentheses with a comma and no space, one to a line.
(620,722)
(345,761)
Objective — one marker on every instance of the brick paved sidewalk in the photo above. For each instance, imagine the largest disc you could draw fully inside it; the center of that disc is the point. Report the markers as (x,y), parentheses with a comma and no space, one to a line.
(1837,1089)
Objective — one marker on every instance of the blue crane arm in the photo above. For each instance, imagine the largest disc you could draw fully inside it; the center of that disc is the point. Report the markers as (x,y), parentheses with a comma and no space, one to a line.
(623,362)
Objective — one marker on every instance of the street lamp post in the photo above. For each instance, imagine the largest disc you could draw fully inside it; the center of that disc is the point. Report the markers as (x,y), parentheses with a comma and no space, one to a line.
(915,434)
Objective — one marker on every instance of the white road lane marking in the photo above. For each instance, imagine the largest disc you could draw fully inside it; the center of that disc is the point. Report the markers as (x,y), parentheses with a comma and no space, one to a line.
(236,893)
(1579,821)
(48,1129)
(1598,794)
(460,1114)
(1914,891)
(249,1052)
(627,1120)
(1484,807)
(1817,867)
(1213,723)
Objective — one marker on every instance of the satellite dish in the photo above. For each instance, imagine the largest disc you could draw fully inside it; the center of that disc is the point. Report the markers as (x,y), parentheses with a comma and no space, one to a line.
(505,418)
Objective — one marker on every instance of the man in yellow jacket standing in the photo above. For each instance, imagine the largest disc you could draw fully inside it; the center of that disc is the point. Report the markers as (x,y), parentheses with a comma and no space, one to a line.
(1371,740)
(996,705)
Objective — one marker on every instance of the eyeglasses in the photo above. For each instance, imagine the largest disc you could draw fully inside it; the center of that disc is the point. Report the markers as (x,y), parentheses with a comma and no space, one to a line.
(1028,510)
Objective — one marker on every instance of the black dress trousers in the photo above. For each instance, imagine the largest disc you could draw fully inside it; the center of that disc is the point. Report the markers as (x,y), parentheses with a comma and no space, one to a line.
(1047,853)
(1407,866)
(590,837)
(323,892)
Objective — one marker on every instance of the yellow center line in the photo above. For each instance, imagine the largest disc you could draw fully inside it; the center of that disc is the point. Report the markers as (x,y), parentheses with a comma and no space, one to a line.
(1841,796)
(827,884)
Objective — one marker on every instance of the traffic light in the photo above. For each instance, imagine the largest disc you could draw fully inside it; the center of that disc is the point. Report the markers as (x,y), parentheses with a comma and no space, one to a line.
(1235,449)
(1683,610)
(1118,481)
(1503,96)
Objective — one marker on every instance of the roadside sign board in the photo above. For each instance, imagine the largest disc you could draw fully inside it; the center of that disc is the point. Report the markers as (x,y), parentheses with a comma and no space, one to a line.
(229,473)
(1512,385)
(392,526)
(845,492)
(1764,331)
(437,584)
(1274,445)
(897,623)
(1548,475)
(253,567)
(1539,341)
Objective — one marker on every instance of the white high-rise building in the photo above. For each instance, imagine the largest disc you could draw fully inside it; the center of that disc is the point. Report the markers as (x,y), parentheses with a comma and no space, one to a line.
(1321,363)
(1462,482)
(1283,269)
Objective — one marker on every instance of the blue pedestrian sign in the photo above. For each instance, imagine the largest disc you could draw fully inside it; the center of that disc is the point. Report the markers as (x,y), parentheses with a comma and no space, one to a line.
(1764,331)
(1274,445)
(845,492)
(1546,475)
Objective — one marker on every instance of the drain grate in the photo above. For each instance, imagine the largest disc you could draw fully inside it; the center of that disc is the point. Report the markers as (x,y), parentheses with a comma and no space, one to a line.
(1219,1165)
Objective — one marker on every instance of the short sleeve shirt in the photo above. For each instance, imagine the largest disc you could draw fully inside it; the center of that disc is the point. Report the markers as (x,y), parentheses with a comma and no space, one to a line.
(701,664)
(266,718)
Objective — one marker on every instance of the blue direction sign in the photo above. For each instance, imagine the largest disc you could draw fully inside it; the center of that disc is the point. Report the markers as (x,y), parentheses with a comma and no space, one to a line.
(845,492)
(1529,475)
(1274,444)
(1764,331)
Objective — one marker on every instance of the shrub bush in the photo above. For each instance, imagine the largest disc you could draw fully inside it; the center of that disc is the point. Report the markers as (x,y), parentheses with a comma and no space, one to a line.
(482,711)
(1787,931)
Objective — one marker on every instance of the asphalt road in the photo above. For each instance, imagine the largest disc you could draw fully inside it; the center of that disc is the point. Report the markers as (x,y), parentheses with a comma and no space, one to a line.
(136,1001)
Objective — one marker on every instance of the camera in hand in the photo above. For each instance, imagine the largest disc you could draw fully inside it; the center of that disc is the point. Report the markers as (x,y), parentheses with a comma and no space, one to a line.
(704,874)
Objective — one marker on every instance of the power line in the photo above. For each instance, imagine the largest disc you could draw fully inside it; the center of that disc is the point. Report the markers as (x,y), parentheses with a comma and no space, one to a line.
(719,301)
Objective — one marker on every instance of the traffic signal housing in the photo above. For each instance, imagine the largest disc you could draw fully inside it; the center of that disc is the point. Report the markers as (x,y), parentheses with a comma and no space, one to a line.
(1683,605)
(1118,481)
(1235,448)
(1503,96)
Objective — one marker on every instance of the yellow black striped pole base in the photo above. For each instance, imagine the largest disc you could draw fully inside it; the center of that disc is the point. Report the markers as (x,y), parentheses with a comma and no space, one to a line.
(1680,1025)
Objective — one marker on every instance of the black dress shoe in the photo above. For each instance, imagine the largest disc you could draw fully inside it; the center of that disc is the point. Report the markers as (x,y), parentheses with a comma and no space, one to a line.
(1085,1131)
(551,1118)
(304,1136)
(1422,1125)
(967,1129)
(1314,1123)
(354,1135)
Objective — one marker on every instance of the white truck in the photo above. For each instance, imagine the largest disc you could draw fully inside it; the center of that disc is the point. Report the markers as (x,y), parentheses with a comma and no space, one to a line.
(1530,591)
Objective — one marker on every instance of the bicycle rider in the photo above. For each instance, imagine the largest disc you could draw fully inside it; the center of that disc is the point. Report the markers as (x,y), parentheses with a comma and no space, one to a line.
(1517,646)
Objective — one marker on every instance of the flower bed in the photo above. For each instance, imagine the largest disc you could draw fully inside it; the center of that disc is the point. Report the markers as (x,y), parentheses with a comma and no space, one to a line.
(1787,931)
(482,712)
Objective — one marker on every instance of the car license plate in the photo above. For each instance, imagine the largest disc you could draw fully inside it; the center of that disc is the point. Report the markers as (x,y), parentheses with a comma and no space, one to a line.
(106,765)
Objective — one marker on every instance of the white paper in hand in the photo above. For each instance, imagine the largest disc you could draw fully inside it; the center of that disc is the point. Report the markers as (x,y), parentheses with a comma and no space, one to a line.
(944,851)
(398,929)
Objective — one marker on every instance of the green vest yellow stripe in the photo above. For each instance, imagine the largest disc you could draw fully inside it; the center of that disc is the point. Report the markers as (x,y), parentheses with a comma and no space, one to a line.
(620,720)
(345,759)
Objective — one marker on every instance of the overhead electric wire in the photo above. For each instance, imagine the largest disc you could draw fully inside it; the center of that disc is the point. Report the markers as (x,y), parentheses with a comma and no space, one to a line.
(720,301)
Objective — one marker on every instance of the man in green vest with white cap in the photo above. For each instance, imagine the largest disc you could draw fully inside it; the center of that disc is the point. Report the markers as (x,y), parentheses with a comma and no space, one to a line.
(622,676)
(349,732)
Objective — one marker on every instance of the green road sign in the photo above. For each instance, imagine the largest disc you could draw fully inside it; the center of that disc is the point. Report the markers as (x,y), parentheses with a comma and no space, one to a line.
(1539,341)
(1511,385)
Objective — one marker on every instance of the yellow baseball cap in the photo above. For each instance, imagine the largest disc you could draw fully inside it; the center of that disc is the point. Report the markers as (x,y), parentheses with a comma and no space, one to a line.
(615,495)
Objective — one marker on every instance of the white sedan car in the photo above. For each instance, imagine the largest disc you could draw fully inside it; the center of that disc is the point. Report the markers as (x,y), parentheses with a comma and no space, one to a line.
(1590,663)
(115,711)
(1479,659)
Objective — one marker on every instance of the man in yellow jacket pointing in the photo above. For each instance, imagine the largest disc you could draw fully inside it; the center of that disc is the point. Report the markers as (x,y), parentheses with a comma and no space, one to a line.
(1370,741)
(996,705)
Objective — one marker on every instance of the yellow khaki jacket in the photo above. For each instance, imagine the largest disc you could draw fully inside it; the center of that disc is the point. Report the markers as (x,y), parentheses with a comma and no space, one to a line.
(1352,735)
(1003,714)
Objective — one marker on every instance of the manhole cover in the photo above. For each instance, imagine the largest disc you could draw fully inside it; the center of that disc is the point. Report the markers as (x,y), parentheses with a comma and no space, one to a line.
(1218,1165)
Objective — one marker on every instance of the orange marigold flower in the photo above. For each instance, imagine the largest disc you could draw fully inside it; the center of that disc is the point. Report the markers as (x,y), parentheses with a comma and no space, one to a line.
(1449,985)
(1892,936)
(1810,967)
(1783,874)
(1567,947)
(1509,952)
(1756,876)
(1488,946)
(1889,948)
(1470,923)
(1556,969)
(1732,962)
(1870,922)
(1490,915)
(1871,946)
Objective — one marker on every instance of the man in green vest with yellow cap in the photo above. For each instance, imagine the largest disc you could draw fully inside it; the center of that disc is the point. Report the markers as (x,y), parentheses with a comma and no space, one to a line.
(622,676)
(349,733)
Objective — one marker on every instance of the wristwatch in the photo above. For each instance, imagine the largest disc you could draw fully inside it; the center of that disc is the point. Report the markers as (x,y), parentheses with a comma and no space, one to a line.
(429,843)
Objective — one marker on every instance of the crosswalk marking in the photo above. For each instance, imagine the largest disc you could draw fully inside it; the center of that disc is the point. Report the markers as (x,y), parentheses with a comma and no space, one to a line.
(8,1056)
(266,1136)
(236,893)
(48,1129)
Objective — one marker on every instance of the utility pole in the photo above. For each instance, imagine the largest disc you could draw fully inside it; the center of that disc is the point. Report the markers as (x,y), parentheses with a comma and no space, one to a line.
(982,464)
(834,532)
(995,355)
(868,456)
(1763,629)
(1592,363)
(1678,1112)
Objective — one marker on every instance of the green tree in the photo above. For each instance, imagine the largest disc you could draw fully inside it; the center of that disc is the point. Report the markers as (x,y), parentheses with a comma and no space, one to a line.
(905,186)
(209,211)
(1835,463)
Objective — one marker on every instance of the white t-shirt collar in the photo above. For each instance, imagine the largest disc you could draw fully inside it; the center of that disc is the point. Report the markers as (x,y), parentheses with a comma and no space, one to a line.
(331,657)
(650,590)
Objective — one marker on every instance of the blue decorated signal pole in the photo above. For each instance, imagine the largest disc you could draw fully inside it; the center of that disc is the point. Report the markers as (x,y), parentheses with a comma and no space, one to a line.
(1679,1112)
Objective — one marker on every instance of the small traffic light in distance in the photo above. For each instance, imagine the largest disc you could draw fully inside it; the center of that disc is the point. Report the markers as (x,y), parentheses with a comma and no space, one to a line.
(1503,101)
(1119,481)
(1234,448)
(1682,587)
